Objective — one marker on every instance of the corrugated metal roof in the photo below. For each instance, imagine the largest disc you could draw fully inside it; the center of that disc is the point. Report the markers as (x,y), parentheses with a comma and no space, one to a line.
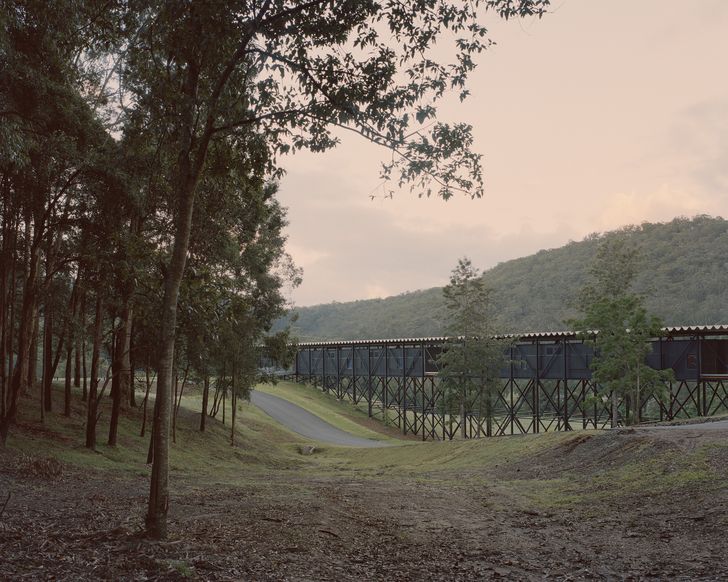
(684,330)
(716,329)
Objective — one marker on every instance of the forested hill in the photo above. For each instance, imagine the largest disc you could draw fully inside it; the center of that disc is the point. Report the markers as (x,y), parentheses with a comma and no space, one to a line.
(684,275)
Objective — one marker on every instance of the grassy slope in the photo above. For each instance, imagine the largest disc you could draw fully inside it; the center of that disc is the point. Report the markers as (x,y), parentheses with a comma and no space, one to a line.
(542,471)
(262,444)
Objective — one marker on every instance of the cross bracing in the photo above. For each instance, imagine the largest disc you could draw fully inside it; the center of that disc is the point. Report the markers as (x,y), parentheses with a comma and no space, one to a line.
(545,385)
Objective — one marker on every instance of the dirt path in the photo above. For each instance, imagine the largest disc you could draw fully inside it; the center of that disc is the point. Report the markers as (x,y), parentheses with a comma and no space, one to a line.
(300,525)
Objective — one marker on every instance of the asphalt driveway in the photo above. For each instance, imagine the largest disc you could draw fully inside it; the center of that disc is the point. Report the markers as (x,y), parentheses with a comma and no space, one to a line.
(306,424)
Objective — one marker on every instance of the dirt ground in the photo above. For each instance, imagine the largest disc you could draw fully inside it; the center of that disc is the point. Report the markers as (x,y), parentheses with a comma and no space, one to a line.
(64,523)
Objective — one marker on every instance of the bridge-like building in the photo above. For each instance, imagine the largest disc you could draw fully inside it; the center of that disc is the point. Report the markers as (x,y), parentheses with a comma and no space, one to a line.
(545,386)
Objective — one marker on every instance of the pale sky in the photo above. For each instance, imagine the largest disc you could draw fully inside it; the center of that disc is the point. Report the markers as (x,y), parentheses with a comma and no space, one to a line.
(602,114)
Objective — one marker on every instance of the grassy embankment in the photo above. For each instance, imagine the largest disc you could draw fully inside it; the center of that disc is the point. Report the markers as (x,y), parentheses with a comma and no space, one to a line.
(544,471)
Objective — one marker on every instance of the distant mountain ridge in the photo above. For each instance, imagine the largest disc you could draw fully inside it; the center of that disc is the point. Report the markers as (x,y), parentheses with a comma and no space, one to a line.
(684,274)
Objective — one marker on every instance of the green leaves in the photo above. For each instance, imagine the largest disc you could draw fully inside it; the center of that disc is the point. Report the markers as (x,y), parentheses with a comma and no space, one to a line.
(473,356)
(623,325)
(294,71)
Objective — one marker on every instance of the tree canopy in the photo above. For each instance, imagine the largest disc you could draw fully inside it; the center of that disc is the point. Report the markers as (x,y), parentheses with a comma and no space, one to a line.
(141,142)
(615,320)
(471,359)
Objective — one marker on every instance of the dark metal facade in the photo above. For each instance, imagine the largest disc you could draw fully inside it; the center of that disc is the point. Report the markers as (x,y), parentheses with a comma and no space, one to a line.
(546,386)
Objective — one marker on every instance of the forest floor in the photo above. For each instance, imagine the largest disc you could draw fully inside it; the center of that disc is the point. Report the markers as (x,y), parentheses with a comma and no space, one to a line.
(591,505)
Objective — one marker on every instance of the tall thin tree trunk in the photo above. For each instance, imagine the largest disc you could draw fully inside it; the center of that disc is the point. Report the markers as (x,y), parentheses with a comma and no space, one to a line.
(33,361)
(205,397)
(93,403)
(11,325)
(84,393)
(27,318)
(233,398)
(121,374)
(188,168)
(178,401)
(615,409)
(67,377)
(156,521)
(148,385)
(174,409)
(48,358)
(4,264)
(9,329)
(67,380)
(132,365)
(150,452)
(77,359)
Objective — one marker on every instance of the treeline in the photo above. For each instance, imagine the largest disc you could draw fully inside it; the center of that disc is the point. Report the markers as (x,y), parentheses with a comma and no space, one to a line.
(88,220)
(682,271)
(138,141)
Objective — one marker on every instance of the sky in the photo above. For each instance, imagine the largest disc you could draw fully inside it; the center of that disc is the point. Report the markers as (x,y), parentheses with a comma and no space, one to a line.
(602,114)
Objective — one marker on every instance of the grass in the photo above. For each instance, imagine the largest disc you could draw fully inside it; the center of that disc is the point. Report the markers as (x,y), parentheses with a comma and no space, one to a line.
(546,471)
(261,444)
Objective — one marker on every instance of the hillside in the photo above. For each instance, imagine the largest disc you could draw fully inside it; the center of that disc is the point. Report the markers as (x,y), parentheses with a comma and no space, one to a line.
(684,275)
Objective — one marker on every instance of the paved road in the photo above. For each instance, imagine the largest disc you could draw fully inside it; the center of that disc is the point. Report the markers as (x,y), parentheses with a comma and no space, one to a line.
(304,423)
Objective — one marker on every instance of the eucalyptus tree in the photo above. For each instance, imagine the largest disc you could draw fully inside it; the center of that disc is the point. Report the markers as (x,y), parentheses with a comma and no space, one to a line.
(50,135)
(289,73)
(473,355)
(238,268)
(615,320)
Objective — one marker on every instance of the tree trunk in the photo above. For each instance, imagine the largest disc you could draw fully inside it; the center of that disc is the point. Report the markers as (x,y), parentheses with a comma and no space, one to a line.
(156,520)
(48,359)
(67,381)
(77,361)
(84,393)
(615,409)
(132,364)
(69,349)
(174,409)
(93,403)
(150,452)
(4,264)
(187,171)
(33,361)
(234,403)
(11,306)
(120,372)
(146,400)
(233,400)
(205,397)
(178,401)
(20,373)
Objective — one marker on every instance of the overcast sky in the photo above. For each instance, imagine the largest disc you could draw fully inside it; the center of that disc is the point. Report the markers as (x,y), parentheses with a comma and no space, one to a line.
(605,113)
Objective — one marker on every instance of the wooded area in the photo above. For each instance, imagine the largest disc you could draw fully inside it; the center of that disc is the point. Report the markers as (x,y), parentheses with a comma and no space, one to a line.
(140,145)
(681,270)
